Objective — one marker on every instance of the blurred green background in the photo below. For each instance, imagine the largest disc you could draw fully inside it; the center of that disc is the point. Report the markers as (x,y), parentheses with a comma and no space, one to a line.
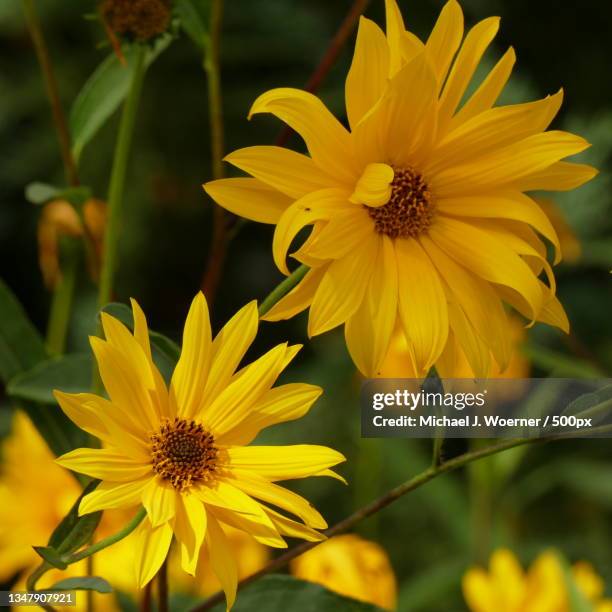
(554,495)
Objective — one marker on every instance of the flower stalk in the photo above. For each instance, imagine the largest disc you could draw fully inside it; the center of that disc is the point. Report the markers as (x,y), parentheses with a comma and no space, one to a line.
(282,289)
(117,180)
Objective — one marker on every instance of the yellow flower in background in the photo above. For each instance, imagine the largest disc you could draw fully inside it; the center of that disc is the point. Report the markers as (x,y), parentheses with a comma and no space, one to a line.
(250,557)
(59,218)
(543,588)
(181,451)
(419,212)
(453,363)
(36,495)
(351,566)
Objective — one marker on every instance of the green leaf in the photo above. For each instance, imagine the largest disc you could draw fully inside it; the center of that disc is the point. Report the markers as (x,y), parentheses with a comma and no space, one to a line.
(41,193)
(104,91)
(194,18)
(165,351)
(51,556)
(596,405)
(21,346)
(83,583)
(74,531)
(33,391)
(70,373)
(278,593)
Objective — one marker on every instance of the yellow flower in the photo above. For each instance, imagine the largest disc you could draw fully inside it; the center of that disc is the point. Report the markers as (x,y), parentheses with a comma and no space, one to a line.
(36,494)
(250,557)
(453,363)
(181,451)
(350,566)
(543,588)
(419,211)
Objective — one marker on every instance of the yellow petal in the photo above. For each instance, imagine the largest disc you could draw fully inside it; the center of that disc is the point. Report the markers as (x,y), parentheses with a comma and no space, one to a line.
(401,128)
(159,500)
(249,198)
(445,39)
(560,176)
(293,174)
(280,404)
(327,140)
(278,496)
(103,463)
(298,299)
(493,129)
(468,58)
(123,384)
(477,353)
(152,546)
(341,290)
(323,204)
(221,560)
(509,205)
(141,334)
(488,91)
(374,186)
(422,304)
(228,349)
(284,462)
(293,529)
(75,407)
(368,331)
(118,336)
(342,234)
(260,527)
(479,303)
(508,165)
(190,529)
(466,244)
(191,372)
(395,29)
(369,71)
(109,495)
(478,592)
(235,402)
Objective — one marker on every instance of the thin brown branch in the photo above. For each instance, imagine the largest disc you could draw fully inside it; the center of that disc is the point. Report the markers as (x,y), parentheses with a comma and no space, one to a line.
(59,119)
(388,498)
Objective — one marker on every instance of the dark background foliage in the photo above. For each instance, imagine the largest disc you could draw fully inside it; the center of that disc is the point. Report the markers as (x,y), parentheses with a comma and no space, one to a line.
(557,495)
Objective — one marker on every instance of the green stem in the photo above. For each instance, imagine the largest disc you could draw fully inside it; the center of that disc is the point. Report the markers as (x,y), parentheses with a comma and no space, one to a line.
(481,504)
(388,498)
(117,180)
(110,540)
(63,294)
(282,289)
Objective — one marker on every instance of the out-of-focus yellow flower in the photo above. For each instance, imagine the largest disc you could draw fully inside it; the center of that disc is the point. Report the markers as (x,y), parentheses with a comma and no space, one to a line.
(182,451)
(419,214)
(351,566)
(36,494)
(453,363)
(250,557)
(542,588)
(59,218)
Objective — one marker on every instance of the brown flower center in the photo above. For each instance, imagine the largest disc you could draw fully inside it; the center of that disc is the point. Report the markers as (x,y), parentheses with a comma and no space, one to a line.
(183,453)
(138,19)
(410,209)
